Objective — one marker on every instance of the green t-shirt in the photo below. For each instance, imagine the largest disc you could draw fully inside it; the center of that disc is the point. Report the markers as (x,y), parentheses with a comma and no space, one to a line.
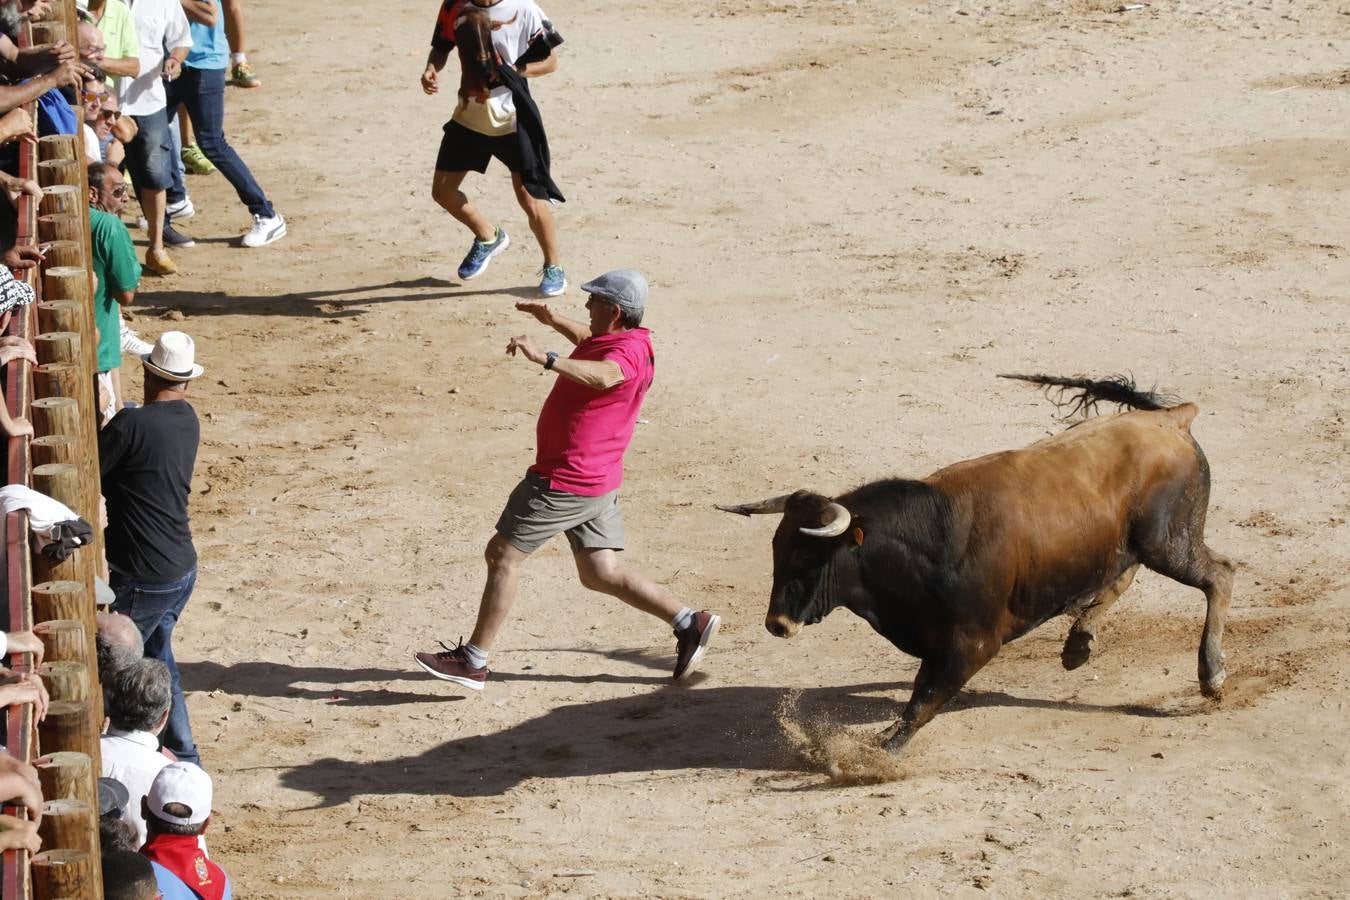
(118,26)
(118,270)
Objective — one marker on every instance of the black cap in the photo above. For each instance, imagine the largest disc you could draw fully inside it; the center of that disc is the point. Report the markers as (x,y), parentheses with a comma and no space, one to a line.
(113,797)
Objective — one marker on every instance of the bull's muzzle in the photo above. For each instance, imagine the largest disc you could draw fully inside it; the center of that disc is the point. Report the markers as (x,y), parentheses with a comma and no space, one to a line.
(781,626)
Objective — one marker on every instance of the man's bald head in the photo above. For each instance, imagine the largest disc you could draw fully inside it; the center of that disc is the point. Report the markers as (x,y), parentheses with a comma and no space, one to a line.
(92,45)
(119,644)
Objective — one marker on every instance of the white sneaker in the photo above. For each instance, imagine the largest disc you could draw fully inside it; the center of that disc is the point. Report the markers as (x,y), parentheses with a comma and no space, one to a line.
(183,209)
(132,343)
(265,230)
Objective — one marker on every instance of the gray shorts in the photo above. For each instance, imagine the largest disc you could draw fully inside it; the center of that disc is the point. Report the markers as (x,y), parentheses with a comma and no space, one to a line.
(535,512)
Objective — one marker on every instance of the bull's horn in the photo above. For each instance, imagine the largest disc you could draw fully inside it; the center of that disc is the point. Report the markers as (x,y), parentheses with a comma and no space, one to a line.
(834,520)
(759,508)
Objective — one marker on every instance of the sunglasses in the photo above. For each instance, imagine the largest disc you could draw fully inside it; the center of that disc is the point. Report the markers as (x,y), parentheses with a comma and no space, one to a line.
(119,190)
(91,97)
(111,115)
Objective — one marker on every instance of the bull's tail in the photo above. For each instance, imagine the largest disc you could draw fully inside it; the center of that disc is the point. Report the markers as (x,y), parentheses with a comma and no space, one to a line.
(1081,395)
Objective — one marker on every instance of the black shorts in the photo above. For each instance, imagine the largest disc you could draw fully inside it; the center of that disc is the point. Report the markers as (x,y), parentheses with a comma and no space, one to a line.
(465,150)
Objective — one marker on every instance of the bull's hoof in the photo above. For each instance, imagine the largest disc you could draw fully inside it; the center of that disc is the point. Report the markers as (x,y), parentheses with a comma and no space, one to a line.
(1212,687)
(893,739)
(1077,649)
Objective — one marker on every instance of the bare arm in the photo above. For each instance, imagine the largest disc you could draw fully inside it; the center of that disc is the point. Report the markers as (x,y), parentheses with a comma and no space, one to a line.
(203,12)
(128,65)
(574,331)
(540,67)
(436,61)
(600,374)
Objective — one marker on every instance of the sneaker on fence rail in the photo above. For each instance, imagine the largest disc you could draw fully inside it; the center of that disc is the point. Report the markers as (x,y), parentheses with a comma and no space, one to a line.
(552,281)
(452,664)
(692,642)
(481,253)
(196,161)
(157,262)
(175,238)
(265,230)
(182,209)
(132,345)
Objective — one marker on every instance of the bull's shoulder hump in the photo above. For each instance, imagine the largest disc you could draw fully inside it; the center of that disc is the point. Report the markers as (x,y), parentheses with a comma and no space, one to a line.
(1183,414)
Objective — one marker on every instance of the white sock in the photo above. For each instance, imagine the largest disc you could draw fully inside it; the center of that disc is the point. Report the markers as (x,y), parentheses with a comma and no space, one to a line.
(237,58)
(476,655)
(683,619)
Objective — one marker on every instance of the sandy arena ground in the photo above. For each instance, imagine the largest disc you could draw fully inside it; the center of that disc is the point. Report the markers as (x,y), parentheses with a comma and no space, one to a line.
(853,214)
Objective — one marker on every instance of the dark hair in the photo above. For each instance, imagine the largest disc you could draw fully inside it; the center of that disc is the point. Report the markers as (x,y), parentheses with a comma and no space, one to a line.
(155,825)
(95,73)
(630,318)
(98,172)
(128,876)
(137,696)
(116,834)
(9,223)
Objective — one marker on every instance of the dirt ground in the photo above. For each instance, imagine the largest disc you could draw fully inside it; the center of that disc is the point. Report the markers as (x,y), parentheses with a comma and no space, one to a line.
(853,215)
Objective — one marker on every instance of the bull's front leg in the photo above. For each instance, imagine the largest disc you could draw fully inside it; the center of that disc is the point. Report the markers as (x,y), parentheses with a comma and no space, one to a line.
(938,680)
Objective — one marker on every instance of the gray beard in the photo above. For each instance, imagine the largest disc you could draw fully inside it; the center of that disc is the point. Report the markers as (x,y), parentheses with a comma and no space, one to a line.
(11,20)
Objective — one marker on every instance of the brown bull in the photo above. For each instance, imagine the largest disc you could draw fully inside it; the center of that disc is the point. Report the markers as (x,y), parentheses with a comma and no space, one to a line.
(952,567)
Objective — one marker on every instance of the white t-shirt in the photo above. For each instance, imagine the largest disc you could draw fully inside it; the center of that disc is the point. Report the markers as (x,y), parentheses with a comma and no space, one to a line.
(91,147)
(159,24)
(515,24)
(133,758)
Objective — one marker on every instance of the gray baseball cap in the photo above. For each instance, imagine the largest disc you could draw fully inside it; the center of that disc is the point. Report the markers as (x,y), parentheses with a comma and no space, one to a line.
(625,288)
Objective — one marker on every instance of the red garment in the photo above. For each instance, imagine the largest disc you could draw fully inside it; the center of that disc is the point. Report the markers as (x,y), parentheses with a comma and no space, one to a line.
(182,855)
(583,432)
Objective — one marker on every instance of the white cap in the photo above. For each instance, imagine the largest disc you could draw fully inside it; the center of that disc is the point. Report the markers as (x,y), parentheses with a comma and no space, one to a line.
(184,783)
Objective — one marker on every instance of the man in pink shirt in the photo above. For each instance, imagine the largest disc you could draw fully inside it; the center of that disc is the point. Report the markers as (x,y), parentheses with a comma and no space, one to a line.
(573,487)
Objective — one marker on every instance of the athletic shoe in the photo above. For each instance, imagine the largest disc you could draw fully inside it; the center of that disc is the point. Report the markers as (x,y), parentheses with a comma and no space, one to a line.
(241,75)
(691,643)
(481,252)
(265,230)
(196,161)
(175,238)
(132,345)
(553,282)
(183,209)
(157,262)
(452,664)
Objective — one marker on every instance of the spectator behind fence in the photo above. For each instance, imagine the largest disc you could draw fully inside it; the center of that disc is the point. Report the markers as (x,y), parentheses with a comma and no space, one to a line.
(118,643)
(121,51)
(137,703)
(177,811)
(116,834)
(19,785)
(13,294)
(146,457)
(128,876)
(117,272)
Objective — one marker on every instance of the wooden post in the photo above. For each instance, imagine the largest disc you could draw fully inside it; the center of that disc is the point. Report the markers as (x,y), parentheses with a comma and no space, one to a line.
(59,481)
(54,448)
(59,874)
(61,379)
(68,726)
(65,680)
(58,346)
(62,482)
(60,198)
(59,171)
(56,415)
(68,775)
(60,315)
(48,32)
(59,600)
(61,146)
(64,253)
(63,227)
(64,640)
(69,825)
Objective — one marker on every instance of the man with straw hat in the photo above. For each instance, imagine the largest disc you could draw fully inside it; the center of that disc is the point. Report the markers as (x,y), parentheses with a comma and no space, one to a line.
(146,455)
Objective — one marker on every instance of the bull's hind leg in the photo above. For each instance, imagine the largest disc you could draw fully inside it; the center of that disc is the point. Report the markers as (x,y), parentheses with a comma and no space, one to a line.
(1200,567)
(1078,645)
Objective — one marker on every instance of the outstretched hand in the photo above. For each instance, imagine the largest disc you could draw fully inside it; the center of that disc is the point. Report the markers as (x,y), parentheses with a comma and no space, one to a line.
(537,309)
(526,348)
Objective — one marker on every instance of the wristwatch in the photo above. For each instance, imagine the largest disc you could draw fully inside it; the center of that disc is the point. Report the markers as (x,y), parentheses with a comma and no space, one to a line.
(551,358)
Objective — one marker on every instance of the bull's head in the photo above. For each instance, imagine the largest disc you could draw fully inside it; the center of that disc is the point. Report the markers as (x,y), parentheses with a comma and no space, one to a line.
(473,39)
(805,556)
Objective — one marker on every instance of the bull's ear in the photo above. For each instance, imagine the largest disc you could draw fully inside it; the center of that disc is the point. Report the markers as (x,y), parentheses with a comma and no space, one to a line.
(858,535)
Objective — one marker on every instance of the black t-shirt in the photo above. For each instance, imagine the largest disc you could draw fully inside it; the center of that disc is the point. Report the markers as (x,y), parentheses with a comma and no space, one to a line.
(146,455)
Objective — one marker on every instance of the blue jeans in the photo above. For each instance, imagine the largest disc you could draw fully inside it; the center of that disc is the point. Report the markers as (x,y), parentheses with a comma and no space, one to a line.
(155,609)
(202,92)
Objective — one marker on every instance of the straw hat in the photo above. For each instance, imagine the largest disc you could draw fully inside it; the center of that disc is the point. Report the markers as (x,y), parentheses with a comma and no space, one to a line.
(172,356)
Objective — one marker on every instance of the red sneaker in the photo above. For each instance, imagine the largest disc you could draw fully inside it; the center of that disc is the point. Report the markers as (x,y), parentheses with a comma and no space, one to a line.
(452,664)
(692,641)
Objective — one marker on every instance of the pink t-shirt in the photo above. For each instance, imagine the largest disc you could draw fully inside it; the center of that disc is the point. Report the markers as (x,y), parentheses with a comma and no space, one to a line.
(583,432)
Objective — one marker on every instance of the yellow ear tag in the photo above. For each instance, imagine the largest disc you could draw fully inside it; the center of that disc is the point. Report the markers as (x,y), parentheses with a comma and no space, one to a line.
(858,536)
